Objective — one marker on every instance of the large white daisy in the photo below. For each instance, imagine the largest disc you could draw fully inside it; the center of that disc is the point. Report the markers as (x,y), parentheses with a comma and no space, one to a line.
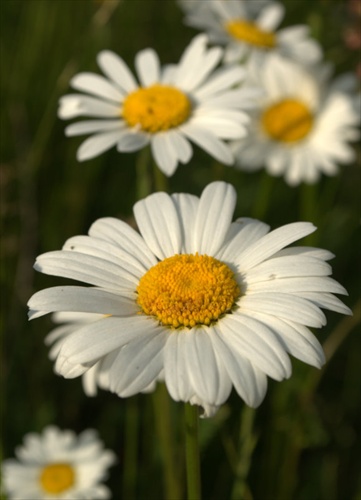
(250,29)
(194,299)
(171,106)
(302,124)
(58,465)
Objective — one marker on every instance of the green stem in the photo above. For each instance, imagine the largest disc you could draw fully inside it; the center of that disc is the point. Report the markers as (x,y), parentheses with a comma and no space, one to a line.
(131,448)
(163,423)
(260,205)
(143,178)
(160,180)
(247,443)
(308,208)
(192,452)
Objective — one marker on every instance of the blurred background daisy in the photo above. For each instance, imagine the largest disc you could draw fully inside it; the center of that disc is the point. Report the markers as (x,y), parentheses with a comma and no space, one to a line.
(58,464)
(303,123)
(250,29)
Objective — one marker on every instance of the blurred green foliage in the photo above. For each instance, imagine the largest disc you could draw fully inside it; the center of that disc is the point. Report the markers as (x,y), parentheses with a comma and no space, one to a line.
(304,441)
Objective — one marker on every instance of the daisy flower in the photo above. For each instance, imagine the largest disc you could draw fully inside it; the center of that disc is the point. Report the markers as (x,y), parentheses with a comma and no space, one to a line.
(302,124)
(58,465)
(170,107)
(250,29)
(194,300)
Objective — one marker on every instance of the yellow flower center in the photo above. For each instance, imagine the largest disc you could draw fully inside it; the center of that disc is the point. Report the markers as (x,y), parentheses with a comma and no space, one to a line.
(57,478)
(249,32)
(188,290)
(287,121)
(156,108)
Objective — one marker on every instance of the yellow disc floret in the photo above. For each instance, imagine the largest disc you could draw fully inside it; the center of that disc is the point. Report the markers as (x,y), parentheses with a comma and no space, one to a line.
(287,121)
(57,477)
(249,32)
(188,290)
(156,108)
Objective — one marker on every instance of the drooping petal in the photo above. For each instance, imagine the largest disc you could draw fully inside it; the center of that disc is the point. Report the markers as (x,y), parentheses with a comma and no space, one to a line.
(249,382)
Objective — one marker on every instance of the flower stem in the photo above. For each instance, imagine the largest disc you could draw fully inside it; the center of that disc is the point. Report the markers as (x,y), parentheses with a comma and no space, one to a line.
(247,443)
(164,429)
(192,453)
(160,180)
(131,448)
(143,181)
(309,208)
(263,196)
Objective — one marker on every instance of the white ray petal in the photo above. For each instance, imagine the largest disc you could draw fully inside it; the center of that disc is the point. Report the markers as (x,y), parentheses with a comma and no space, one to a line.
(158,222)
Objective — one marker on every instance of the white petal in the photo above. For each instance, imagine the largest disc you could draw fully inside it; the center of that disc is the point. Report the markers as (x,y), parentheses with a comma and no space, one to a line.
(86,268)
(97,144)
(90,245)
(96,85)
(125,237)
(214,216)
(296,339)
(196,74)
(273,242)
(191,58)
(271,16)
(147,66)
(187,206)
(91,126)
(95,340)
(164,154)
(298,285)
(81,299)
(247,231)
(139,363)
(284,306)
(209,142)
(222,79)
(132,141)
(220,127)
(176,372)
(256,342)
(249,382)
(73,105)
(180,146)
(201,364)
(318,253)
(286,267)
(158,223)
(327,301)
(116,69)
(89,381)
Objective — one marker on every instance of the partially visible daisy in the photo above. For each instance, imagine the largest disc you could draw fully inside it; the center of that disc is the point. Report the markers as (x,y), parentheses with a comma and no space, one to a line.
(302,124)
(58,465)
(170,107)
(248,28)
(194,299)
